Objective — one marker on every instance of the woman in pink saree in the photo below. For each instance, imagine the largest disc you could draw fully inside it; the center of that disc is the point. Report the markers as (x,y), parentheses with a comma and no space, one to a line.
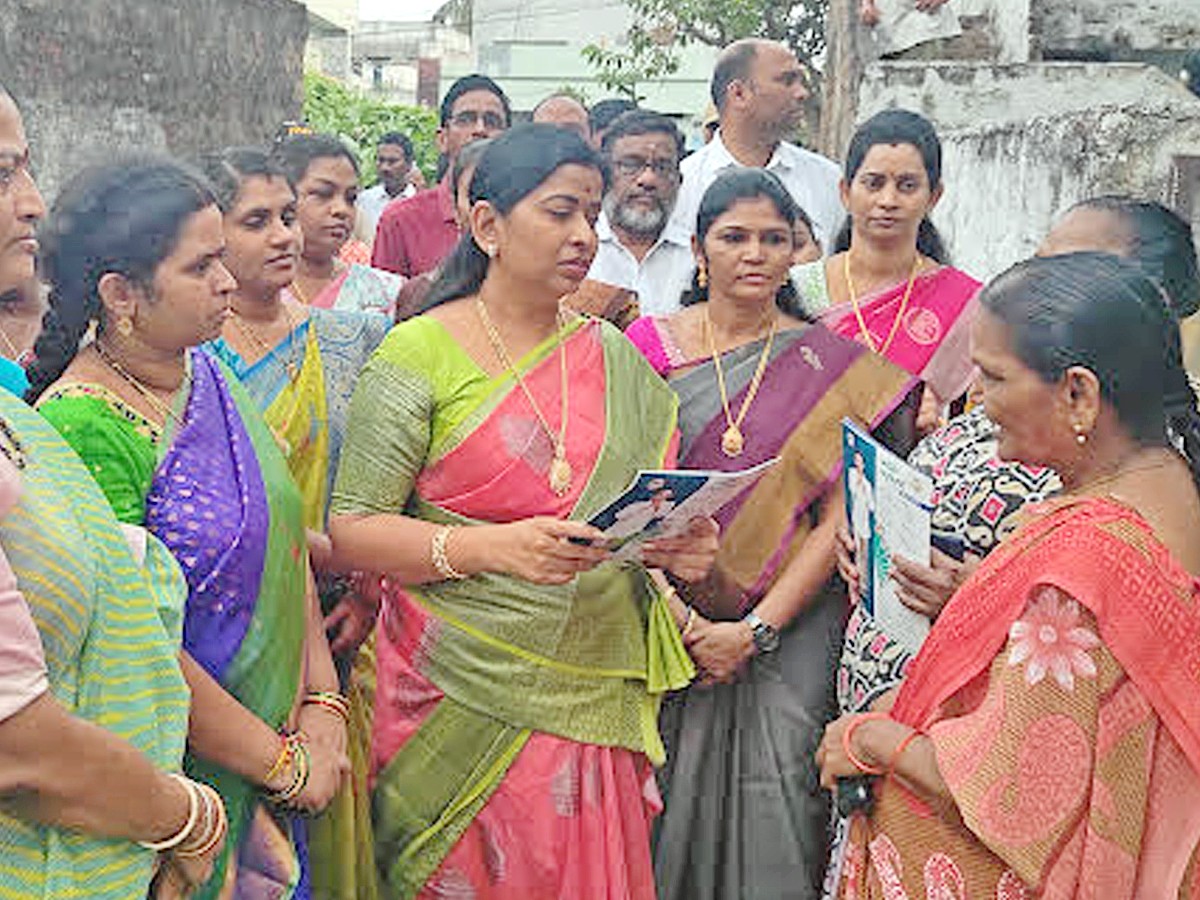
(519,670)
(1046,740)
(889,284)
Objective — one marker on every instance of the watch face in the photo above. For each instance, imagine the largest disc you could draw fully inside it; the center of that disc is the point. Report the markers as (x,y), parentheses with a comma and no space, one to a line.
(766,638)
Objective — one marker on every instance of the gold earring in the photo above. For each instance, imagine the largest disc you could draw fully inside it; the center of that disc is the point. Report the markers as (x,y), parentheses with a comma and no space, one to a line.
(702,278)
(124,326)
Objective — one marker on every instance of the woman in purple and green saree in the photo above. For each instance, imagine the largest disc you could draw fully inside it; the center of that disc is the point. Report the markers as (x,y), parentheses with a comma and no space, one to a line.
(133,254)
(744,816)
(519,669)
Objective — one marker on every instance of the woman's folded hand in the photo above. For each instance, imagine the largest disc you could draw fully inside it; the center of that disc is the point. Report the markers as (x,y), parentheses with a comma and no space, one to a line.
(688,556)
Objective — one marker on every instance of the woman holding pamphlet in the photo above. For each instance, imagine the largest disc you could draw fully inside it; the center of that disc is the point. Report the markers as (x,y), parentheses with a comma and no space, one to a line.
(519,671)
(1045,739)
(742,814)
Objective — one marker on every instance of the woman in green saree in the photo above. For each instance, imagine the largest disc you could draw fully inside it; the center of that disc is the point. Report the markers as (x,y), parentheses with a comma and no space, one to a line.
(133,253)
(520,672)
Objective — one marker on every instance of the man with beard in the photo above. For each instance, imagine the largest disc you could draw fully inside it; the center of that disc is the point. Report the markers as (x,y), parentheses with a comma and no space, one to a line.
(640,250)
(758,88)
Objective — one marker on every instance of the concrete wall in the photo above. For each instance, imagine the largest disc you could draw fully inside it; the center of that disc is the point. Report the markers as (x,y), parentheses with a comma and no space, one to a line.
(96,77)
(1022,143)
(1081,25)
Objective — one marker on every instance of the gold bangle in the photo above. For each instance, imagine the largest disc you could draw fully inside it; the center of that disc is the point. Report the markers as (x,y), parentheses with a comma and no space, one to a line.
(690,622)
(194,801)
(281,762)
(437,552)
(301,767)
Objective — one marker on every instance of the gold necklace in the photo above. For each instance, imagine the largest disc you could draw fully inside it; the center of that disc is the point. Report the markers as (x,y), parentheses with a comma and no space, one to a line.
(292,365)
(163,409)
(14,353)
(560,467)
(1090,487)
(733,441)
(294,287)
(862,325)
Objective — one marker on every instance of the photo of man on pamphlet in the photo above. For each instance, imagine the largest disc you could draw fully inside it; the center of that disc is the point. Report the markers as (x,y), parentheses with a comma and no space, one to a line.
(888,508)
(661,503)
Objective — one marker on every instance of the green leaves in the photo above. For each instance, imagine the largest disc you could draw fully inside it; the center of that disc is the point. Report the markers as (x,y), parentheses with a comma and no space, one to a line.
(650,47)
(359,119)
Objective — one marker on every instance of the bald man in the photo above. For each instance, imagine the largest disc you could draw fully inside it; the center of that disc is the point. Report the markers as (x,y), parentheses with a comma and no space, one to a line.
(566,112)
(758,88)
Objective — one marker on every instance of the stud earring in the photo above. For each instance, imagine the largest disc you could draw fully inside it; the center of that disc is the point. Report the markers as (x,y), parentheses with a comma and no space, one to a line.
(124,326)
(491,251)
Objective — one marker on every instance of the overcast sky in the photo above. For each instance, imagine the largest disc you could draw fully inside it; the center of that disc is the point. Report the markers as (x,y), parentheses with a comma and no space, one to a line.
(397,10)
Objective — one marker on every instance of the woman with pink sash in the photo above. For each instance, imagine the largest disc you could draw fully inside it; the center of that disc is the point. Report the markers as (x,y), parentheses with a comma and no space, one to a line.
(890,285)
(519,670)
(1046,740)
(324,174)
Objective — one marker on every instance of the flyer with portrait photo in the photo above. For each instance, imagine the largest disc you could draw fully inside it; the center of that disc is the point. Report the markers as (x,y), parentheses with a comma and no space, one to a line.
(662,503)
(888,508)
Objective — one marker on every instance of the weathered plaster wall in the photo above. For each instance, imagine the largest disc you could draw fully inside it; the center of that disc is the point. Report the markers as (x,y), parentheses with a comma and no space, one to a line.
(1082,25)
(95,77)
(1022,143)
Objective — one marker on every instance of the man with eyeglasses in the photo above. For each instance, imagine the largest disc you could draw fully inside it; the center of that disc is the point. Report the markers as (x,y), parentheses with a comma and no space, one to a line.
(639,248)
(416,234)
(758,88)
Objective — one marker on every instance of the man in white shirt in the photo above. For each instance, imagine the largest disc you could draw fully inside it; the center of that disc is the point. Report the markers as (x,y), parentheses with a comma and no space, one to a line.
(759,91)
(394,164)
(641,248)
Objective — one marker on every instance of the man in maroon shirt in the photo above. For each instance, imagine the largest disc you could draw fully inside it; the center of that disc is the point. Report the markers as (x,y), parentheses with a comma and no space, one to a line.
(417,233)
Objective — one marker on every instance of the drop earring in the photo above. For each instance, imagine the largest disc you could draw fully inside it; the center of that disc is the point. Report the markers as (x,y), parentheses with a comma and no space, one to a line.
(1080,436)
(124,326)
(702,278)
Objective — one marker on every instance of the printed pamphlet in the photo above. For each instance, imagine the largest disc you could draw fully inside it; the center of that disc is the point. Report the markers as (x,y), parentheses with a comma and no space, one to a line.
(888,506)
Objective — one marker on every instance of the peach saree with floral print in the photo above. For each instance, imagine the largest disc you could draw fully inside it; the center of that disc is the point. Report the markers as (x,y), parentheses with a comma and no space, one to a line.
(1060,691)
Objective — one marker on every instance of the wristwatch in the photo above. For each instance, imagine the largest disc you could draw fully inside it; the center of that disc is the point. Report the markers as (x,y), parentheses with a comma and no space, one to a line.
(766,637)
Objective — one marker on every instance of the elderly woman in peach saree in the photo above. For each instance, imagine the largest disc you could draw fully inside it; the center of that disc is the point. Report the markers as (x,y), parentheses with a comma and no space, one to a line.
(1046,742)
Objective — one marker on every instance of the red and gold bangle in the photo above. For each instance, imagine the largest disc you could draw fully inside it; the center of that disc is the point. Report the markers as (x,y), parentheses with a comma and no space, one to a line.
(331,701)
(848,742)
(899,751)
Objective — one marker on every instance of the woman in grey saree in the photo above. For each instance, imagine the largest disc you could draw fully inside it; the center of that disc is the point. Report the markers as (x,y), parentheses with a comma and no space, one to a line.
(744,816)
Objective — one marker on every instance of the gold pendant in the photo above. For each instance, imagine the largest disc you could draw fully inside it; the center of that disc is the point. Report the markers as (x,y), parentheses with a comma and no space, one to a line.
(560,474)
(732,441)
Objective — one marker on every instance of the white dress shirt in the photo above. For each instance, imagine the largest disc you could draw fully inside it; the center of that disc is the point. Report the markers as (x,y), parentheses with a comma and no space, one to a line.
(371,203)
(658,279)
(811,179)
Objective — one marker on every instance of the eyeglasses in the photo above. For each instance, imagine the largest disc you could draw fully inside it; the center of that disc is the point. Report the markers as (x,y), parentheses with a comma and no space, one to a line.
(468,117)
(630,166)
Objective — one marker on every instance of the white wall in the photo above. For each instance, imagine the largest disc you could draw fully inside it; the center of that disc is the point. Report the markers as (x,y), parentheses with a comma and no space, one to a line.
(1022,143)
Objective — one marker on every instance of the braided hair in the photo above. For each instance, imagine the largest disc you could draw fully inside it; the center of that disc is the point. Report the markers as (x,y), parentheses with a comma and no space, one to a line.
(123,217)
